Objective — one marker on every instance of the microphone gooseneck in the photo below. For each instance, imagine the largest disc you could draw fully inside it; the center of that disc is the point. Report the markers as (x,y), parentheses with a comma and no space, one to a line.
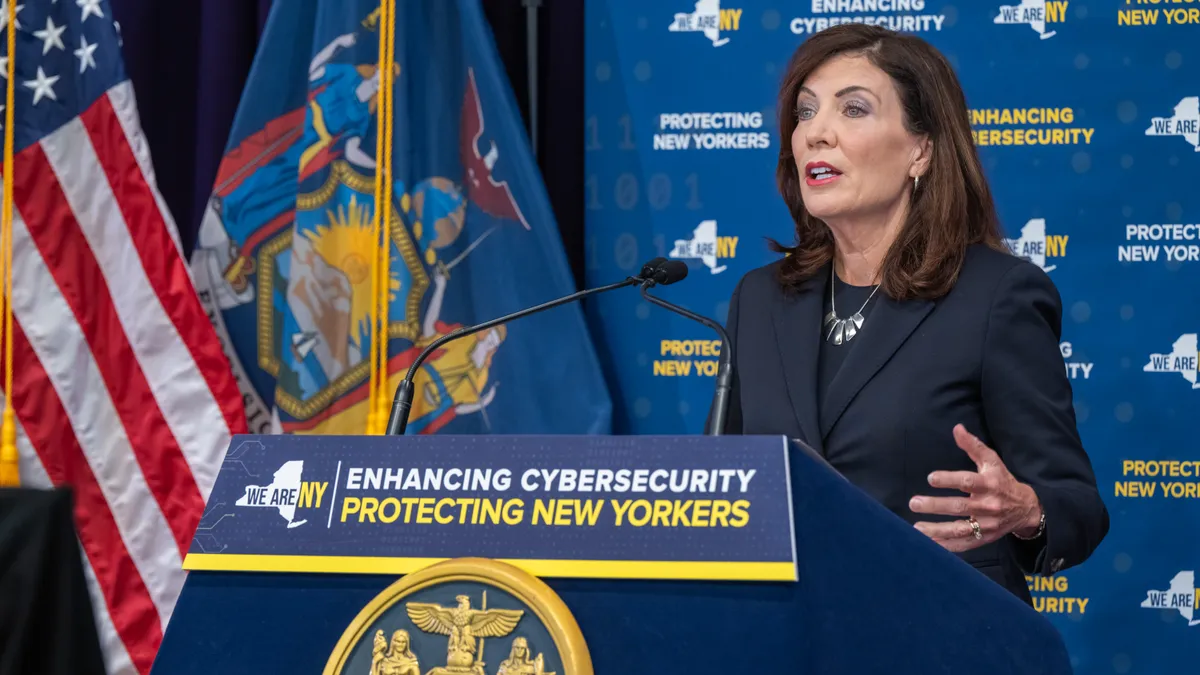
(668,273)
(402,401)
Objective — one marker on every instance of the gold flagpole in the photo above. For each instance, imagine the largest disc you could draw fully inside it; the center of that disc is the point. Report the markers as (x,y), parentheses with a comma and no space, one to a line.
(10,474)
(374,425)
(384,166)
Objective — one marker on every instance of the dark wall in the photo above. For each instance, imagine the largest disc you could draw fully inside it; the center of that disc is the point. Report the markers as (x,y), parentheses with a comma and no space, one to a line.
(189,59)
(560,102)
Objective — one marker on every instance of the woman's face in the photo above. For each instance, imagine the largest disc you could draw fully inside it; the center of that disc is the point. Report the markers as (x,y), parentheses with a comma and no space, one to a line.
(853,154)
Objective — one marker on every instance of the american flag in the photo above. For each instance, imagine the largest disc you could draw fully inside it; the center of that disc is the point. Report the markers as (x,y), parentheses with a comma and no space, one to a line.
(120,386)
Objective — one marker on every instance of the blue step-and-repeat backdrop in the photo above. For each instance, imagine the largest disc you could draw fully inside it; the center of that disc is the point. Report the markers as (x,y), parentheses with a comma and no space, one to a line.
(1087,117)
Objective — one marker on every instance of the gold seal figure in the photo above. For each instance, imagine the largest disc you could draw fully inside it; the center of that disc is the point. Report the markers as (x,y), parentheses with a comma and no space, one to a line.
(462,624)
(398,659)
(519,663)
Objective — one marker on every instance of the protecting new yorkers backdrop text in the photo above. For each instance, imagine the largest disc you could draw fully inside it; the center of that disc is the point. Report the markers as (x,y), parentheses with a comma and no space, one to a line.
(1087,117)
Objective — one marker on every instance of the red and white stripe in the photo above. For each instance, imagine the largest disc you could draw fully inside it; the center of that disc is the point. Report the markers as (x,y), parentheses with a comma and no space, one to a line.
(120,385)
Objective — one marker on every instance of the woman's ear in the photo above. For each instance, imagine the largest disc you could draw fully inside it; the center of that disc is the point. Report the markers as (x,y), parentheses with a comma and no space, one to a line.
(922,156)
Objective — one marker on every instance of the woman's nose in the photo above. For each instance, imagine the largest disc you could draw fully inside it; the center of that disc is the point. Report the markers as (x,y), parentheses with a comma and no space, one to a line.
(818,130)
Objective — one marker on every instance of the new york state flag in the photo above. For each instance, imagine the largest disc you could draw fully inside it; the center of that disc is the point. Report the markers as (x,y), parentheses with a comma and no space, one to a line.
(283,259)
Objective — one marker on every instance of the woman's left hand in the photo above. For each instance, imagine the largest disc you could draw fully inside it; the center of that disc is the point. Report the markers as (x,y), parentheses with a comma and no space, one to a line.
(995,500)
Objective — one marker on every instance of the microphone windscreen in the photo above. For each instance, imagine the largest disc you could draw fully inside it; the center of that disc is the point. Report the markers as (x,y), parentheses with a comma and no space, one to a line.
(671,271)
(651,267)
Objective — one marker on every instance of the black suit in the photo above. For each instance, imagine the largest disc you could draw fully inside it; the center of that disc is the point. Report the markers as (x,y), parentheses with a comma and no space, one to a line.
(986,355)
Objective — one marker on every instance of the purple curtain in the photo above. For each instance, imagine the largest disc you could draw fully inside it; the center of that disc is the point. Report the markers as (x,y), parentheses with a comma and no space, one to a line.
(189,59)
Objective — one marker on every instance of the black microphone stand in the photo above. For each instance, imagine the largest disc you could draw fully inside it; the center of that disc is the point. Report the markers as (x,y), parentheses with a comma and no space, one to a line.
(403,399)
(720,402)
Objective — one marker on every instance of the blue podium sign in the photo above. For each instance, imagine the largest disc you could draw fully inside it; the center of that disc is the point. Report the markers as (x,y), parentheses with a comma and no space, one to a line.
(557,506)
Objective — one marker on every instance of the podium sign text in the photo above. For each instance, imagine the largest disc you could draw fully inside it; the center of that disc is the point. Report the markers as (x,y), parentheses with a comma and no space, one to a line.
(647,507)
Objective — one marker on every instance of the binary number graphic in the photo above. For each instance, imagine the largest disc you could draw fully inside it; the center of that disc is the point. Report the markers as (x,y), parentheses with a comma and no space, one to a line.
(625,252)
(693,183)
(658,193)
(627,133)
(625,192)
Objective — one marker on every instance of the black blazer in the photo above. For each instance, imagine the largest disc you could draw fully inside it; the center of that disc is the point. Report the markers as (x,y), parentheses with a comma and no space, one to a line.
(986,355)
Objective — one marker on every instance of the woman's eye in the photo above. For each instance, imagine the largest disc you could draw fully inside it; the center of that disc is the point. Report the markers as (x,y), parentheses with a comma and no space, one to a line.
(855,110)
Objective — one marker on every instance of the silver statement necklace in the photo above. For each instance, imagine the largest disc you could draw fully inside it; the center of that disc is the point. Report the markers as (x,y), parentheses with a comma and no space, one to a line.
(837,330)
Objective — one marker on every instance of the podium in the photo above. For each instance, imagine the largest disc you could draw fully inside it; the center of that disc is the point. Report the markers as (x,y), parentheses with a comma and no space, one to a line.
(776,565)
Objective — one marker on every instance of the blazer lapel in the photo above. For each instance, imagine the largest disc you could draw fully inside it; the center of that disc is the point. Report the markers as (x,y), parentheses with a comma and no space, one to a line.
(797,333)
(887,326)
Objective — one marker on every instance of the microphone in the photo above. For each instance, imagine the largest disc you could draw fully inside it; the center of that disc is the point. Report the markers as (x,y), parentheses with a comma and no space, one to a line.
(403,399)
(652,267)
(669,272)
(666,272)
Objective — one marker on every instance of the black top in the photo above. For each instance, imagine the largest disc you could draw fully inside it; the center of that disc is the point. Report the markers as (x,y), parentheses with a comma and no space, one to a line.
(985,355)
(849,299)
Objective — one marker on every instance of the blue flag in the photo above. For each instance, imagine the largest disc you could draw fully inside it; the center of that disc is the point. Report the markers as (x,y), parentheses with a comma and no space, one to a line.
(284,255)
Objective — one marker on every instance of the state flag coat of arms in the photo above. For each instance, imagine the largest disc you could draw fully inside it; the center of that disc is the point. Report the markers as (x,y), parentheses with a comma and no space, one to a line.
(286,257)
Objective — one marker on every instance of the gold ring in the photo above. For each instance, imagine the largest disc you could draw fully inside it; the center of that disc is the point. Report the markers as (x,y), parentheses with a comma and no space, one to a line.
(975,531)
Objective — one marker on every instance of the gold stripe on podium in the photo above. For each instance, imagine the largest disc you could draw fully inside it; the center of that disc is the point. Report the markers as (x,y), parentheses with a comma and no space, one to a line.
(593,569)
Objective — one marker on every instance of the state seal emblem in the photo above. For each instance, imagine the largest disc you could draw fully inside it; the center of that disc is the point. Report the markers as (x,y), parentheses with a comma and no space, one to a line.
(468,616)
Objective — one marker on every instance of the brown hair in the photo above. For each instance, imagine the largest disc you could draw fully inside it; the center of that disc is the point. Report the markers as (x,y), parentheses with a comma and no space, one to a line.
(952,206)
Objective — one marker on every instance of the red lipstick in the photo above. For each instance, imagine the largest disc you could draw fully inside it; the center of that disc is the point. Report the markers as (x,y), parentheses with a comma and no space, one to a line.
(817,174)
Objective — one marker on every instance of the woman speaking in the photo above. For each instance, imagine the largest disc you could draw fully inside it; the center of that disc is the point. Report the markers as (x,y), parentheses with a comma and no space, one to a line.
(899,337)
